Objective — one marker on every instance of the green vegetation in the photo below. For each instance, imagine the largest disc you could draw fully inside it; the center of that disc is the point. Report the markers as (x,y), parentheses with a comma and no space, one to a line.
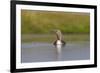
(42,22)
(52,38)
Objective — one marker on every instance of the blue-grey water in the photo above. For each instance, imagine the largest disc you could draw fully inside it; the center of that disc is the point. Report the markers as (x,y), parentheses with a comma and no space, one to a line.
(45,52)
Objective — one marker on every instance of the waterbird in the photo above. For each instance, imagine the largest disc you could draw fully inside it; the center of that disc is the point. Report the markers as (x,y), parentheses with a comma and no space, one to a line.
(59,40)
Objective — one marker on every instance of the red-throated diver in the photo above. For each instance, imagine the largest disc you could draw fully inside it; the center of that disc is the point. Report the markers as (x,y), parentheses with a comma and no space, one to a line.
(59,40)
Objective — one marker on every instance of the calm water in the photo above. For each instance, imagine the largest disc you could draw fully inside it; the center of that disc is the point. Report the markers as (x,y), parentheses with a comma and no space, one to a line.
(44,52)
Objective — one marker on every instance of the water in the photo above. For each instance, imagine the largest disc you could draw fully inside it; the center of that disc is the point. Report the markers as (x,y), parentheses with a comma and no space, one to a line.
(46,52)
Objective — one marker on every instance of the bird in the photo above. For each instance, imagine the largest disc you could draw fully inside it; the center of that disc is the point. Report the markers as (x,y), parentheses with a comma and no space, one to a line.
(59,40)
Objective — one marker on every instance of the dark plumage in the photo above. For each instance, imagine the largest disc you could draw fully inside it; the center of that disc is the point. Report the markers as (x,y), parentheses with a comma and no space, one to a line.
(59,40)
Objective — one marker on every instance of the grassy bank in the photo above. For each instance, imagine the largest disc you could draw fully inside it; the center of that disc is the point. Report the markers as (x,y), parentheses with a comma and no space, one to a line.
(42,22)
(51,38)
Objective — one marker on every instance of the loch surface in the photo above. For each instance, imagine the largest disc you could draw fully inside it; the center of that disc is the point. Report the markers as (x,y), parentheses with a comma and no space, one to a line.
(46,52)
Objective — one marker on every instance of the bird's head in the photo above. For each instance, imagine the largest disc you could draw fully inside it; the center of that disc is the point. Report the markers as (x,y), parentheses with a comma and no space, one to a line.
(58,32)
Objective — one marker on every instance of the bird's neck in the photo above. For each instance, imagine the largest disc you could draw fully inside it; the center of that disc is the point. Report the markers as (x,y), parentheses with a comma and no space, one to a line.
(59,37)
